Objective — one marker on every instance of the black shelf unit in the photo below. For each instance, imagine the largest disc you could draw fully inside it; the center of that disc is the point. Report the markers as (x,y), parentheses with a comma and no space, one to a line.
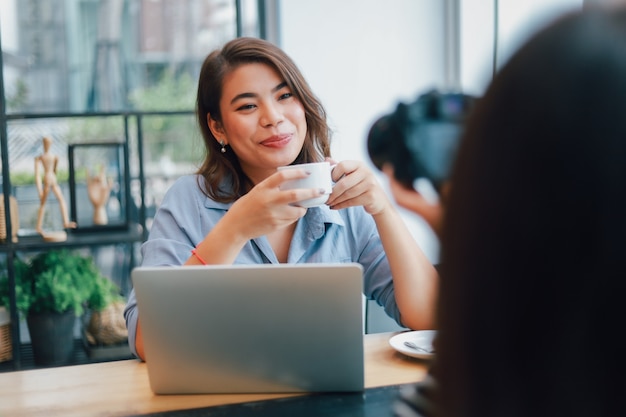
(135,233)
(80,356)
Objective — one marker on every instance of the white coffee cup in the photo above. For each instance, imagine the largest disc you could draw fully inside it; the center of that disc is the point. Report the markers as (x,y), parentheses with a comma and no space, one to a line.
(319,178)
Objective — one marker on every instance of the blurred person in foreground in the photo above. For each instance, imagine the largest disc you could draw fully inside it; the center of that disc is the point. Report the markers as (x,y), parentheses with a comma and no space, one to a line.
(534,236)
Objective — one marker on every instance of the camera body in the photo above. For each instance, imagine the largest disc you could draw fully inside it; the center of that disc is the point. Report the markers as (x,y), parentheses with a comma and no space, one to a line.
(420,139)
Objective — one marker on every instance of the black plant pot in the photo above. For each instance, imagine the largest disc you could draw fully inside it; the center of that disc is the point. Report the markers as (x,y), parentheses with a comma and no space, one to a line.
(52,337)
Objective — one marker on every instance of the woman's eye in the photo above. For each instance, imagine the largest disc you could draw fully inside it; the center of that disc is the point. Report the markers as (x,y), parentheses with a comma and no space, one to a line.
(246,107)
(285,96)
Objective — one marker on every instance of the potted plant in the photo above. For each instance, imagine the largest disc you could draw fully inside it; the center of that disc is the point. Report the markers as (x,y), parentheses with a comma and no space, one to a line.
(52,289)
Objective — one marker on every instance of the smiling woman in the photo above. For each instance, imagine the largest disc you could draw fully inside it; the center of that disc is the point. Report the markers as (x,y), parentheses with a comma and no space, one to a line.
(256,112)
(245,80)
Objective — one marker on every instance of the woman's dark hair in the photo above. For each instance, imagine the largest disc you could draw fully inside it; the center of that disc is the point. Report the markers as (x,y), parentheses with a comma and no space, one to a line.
(533,271)
(223,168)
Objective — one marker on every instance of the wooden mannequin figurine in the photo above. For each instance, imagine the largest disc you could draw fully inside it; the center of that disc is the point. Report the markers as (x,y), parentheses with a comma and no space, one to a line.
(45,183)
(98,190)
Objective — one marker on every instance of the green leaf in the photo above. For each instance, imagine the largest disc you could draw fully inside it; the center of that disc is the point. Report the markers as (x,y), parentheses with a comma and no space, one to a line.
(57,281)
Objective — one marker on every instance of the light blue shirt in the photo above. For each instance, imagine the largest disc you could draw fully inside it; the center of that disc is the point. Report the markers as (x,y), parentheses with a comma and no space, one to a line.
(323,235)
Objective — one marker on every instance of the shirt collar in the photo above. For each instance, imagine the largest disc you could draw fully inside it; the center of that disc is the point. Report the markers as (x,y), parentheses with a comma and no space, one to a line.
(212,204)
(323,214)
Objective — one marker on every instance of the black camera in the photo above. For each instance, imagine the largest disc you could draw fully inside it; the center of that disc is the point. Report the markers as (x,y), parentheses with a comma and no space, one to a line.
(420,139)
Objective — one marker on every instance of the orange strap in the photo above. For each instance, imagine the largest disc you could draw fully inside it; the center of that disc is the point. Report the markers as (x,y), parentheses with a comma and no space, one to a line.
(194,251)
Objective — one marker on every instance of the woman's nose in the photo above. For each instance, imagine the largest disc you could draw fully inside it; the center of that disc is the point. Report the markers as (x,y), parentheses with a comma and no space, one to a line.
(272,115)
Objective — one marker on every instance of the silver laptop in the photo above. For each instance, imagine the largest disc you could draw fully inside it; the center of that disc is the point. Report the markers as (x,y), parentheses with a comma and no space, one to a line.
(252,328)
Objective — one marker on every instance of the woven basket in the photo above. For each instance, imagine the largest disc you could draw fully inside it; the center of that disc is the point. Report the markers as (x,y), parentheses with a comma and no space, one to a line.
(6,347)
(15,221)
(108,327)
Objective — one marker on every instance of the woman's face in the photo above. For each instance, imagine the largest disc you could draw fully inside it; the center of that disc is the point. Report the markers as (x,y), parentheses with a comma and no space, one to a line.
(262,121)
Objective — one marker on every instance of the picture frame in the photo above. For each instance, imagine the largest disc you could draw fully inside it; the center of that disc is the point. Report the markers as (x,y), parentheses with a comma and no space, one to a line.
(99,186)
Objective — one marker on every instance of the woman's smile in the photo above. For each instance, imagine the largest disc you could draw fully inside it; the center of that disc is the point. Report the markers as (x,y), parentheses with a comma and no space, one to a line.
(277,141)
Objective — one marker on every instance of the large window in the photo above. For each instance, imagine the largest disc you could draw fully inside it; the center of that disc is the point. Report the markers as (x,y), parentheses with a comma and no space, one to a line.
(108,55)
(103,59)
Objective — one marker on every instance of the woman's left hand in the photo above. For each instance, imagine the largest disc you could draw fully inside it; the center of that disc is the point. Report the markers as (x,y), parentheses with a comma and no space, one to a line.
(356,185)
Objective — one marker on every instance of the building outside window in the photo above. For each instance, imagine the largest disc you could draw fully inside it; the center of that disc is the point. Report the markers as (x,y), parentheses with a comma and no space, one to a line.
(92,55)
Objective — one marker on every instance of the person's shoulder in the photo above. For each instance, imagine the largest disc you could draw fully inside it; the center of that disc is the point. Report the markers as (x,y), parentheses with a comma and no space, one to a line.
(184,187)
(188,180)
(186,191)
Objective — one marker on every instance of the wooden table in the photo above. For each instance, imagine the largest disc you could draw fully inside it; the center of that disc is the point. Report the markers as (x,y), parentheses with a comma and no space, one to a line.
(122,388)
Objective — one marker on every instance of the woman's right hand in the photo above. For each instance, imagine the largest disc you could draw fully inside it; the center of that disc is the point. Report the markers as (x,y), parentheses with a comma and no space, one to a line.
(266,208)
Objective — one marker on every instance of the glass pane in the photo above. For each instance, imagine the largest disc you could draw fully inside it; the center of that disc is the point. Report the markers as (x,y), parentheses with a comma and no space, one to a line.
(109,55)
(250,22)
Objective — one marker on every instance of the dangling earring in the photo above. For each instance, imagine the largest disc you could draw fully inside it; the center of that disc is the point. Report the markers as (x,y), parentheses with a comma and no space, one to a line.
(223,146)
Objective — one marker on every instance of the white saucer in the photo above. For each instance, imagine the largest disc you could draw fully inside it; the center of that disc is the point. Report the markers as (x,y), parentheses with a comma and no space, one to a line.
(422,338)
